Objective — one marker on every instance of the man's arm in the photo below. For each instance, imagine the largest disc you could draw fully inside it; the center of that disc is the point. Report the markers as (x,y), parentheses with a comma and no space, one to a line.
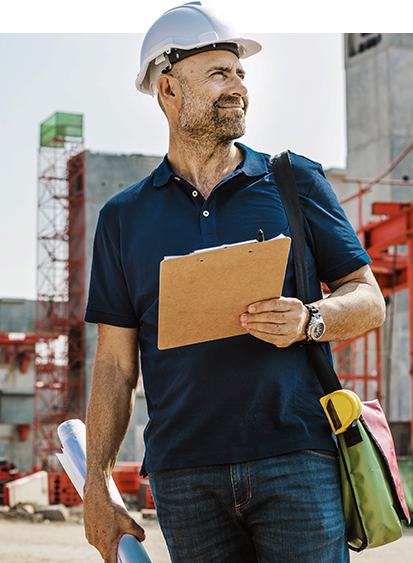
(354,306)
(114,381)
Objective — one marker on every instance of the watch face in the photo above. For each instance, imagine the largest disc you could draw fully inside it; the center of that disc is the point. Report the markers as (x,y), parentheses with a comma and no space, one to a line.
(318,331)
(316,327)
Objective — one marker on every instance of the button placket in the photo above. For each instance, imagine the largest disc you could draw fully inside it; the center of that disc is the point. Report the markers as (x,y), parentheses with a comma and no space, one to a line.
(208,221)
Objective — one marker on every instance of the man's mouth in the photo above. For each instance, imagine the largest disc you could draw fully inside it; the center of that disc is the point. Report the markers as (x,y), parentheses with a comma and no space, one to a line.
(230,103)
(231,107)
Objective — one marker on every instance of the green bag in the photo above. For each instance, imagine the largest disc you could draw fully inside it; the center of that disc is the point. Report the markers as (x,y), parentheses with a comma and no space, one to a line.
(372,494)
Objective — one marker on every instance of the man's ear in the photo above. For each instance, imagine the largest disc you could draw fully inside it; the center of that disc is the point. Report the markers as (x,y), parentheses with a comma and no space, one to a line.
(166,85)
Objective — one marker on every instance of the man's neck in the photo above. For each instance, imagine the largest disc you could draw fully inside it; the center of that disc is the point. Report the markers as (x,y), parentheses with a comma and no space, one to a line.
(204,166)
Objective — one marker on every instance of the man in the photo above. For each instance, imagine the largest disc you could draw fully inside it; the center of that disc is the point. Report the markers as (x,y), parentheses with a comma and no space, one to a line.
(240,457)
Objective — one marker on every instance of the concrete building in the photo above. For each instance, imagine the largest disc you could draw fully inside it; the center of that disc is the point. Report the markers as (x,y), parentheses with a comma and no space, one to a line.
(106,175)
(379,80)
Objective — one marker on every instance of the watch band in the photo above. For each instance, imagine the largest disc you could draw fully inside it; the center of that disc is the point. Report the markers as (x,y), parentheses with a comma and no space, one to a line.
(312,309)
(315,327)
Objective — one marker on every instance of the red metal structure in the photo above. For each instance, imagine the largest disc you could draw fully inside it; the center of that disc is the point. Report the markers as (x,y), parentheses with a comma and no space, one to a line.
(389,242)
(59,362)
(7,473)
(18,347)
(358,364)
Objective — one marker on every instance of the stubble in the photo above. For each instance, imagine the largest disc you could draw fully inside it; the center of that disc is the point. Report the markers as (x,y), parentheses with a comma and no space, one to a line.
(204,121)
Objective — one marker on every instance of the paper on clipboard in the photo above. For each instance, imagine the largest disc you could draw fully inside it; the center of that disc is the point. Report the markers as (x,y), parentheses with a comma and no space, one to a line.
(202,295)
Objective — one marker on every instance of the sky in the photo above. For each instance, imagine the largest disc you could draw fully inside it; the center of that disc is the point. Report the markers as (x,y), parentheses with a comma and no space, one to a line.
(85,59)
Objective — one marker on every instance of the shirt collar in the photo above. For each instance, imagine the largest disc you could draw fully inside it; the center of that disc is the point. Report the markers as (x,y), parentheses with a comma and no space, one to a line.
(253,164)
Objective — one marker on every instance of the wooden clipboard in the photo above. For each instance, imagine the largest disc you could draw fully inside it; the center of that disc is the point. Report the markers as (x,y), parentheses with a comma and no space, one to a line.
(202,295)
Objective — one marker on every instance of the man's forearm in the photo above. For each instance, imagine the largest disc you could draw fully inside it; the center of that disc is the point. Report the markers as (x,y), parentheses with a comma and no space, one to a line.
(353,307)
(108,416)
(115,376)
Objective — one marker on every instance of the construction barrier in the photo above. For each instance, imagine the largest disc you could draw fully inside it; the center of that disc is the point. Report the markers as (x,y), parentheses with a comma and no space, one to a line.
(33,489)
(129,482)
(62,491)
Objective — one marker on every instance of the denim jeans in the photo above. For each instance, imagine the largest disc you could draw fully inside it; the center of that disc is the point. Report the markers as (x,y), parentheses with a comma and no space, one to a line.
(284,509)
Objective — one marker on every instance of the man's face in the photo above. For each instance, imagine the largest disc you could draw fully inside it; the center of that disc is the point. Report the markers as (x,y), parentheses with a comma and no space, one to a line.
(214,97)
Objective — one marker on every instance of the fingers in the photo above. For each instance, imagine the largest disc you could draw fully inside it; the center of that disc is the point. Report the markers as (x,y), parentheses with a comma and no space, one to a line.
(274,315)
(280,305)
(136,530)
(105,523)
(277,321)
(110,550)
(281,335)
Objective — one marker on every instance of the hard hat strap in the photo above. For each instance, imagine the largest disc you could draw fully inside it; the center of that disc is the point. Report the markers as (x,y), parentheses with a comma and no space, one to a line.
(177,55)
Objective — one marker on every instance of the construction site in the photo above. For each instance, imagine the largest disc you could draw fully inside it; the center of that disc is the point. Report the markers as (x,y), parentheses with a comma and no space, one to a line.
(47,351)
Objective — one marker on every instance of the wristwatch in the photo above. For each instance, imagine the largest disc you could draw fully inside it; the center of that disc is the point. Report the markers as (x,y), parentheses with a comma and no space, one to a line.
(315,327)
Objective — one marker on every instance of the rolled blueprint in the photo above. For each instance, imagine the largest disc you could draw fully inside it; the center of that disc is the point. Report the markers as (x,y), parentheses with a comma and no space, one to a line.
(72,434)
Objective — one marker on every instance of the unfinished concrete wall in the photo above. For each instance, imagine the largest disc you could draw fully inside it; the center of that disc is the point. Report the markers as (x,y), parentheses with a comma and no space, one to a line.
(105,176)
(16,385)
(17,315)
(379,84)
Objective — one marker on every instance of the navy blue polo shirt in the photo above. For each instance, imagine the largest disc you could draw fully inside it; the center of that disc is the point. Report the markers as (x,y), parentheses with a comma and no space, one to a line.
(239,398)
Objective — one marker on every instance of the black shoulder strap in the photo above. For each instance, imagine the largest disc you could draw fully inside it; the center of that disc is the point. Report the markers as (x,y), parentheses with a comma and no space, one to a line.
(287,188)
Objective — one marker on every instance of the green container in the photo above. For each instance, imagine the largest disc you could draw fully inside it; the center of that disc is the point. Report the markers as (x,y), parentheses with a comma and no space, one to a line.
(406,476)
(53,131)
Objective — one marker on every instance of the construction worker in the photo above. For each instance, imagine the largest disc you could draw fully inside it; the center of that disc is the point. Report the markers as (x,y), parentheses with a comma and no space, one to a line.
(241,460)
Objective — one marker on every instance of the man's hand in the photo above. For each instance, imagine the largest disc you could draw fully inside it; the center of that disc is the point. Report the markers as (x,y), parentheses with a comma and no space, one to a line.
(278,321)
(105,523)
(354,306)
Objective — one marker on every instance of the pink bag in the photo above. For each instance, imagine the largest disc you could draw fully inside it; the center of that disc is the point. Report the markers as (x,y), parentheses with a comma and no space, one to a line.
(375,419)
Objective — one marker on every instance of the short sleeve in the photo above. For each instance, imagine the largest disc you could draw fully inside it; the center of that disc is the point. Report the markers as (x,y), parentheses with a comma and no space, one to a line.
(109,301)
(336,247)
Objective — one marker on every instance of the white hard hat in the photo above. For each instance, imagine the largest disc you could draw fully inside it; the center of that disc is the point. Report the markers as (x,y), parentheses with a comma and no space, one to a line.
(192,28)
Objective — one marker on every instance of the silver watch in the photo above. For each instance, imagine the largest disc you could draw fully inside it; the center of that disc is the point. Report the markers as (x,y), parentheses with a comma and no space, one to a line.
(315,327)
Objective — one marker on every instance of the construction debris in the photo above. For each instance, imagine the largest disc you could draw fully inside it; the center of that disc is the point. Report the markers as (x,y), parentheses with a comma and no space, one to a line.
(54,513)
(42,514)
(24,512)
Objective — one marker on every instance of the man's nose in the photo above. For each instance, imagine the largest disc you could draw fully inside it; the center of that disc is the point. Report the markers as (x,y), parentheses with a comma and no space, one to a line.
(238,87)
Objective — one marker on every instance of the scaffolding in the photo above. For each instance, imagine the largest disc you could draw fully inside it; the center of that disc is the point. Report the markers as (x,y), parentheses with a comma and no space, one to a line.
(59,359)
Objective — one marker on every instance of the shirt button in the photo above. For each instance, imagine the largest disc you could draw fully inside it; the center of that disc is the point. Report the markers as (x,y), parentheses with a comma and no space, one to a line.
(194,193)
(177,179)
(205,213)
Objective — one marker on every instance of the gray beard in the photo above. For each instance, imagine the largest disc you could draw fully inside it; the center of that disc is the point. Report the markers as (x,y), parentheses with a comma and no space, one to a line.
(206,123)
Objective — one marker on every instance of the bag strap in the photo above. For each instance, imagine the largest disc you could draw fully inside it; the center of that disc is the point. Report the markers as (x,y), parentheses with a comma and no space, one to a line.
(287,188)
